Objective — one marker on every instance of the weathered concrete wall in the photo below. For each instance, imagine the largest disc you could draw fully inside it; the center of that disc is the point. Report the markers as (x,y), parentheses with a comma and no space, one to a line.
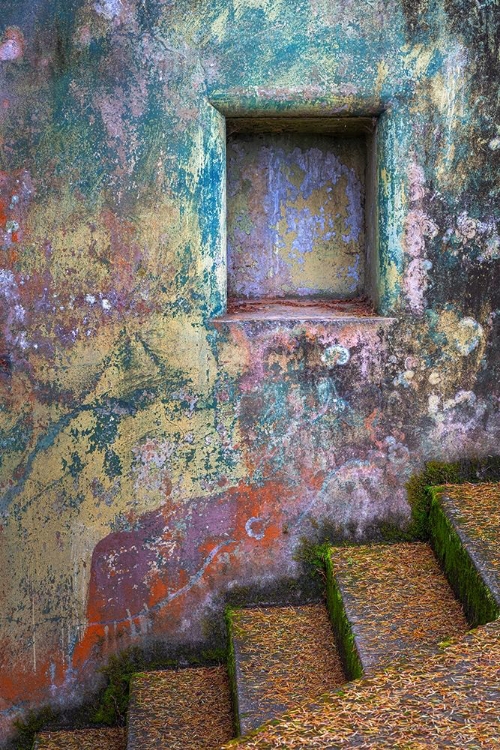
(295,216)
(148,458)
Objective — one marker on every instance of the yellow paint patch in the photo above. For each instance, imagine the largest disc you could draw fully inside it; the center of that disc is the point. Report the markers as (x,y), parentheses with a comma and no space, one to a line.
(382,74)
(272,8)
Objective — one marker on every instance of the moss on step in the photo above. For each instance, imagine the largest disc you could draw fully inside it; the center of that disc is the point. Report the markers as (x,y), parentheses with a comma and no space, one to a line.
(27,728)
(463,561)
(341,624)
(114,699)
(118,671)
(439,473)
(392,530)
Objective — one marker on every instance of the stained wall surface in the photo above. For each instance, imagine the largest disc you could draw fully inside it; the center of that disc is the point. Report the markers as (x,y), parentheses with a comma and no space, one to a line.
(152,459)
(295,216)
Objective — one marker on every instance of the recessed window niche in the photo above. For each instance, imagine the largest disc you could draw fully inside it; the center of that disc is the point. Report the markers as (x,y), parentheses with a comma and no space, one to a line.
(300,212)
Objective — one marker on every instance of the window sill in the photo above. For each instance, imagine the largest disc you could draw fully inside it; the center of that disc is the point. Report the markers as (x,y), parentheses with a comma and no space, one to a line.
(297,310)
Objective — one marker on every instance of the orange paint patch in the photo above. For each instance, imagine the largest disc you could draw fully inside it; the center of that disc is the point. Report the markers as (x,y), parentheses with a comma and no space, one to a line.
(162,571)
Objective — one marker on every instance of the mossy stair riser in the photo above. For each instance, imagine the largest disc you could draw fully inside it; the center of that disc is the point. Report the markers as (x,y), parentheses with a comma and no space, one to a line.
(466,580)
(346,641)
(437,473)
(231,669)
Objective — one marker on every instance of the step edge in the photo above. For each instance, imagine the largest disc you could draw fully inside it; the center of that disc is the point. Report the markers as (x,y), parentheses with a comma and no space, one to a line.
(231,668)
(243,720)
(366,681)
(346,638)
(466,578)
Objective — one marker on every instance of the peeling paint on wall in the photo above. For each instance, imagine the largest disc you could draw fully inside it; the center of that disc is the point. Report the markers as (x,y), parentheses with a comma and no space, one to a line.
(153,458)
(295,216)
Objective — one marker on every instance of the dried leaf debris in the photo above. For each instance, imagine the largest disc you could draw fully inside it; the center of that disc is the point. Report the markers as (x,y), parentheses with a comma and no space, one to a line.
(451,699)
(82,739)
(284,656)
(185,709)
(397,600)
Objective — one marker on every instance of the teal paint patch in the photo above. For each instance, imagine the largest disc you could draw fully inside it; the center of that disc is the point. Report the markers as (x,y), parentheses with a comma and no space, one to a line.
(105,431)
(75,466)
(16,440)
(112,464)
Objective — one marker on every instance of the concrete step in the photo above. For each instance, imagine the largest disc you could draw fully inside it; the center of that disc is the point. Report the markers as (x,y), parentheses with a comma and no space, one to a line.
(465,531)
(450,700)
(389,602)
(185,709)
(281,656)
(81,739)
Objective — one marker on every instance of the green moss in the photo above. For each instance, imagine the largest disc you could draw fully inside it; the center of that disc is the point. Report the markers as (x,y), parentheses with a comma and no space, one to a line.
(478,602)
(231,668)
(27,728)
(341,625)
(213,656)
(113,703)
(392,533)
(313,556)
(438,473)
(119,670)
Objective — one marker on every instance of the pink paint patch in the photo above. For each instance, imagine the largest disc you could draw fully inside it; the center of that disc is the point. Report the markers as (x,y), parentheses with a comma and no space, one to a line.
(12,46)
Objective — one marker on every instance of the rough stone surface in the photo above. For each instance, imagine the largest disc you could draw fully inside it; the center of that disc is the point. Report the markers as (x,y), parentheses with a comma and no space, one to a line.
(452,700)
(82,739)
(151,461)
(283,656)
(188,709)
(397,601)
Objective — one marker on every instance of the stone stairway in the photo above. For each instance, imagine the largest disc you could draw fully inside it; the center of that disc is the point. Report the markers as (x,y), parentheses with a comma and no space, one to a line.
(394,615)
(281,656)
(465,532)
(389,602)
(187,708)
(449,700)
